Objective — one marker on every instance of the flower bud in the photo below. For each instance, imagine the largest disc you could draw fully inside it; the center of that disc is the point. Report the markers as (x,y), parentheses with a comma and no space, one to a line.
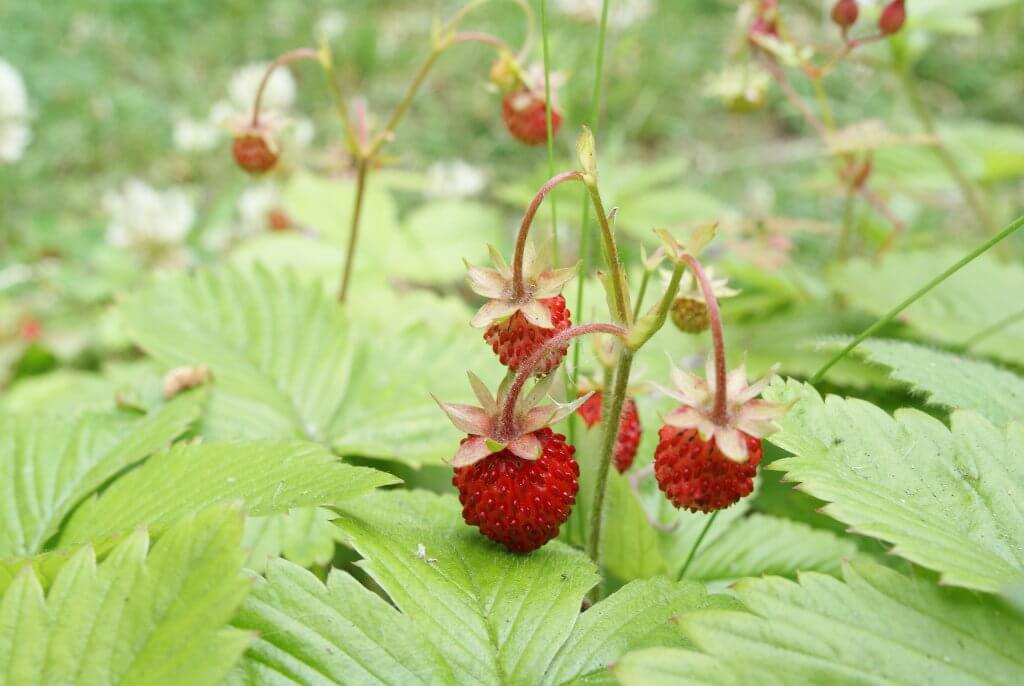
(893,17)
(844,13)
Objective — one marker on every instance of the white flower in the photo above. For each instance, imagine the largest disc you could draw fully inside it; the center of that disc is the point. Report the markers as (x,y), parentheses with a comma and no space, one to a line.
(196,135)
(255,204)
(278,96)
(331,24)
(15,133)
(621,14)
(454,179)
(141,216)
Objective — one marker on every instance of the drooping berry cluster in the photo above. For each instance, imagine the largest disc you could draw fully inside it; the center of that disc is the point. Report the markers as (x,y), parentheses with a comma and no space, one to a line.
(516,338)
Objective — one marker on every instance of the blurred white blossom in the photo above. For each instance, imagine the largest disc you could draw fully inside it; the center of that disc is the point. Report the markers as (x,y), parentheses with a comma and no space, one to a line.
(279,95)
(15,133)
(621,14)
(196,135)
(144,217)
(454,179)
(331,24)
(255,205)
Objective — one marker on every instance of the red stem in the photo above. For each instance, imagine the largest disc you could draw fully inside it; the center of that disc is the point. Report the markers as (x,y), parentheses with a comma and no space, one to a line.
(719,415)
(481,37)
(518,287)
(506,426)
(290,56)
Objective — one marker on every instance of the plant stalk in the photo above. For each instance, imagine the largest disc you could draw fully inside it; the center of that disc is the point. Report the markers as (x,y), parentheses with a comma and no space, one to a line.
(921,292)
(362,166)
(616,273)
(719,414)
(290,56)
(696,545)
(518,287)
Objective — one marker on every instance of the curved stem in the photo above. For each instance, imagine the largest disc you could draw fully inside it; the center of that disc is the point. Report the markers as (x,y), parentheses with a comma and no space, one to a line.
(696,545)
(507,418)
(610,421)
(353,233)
(894,312)
(388,131)
(290,56)
(483,38)
(518,287)
(719,414)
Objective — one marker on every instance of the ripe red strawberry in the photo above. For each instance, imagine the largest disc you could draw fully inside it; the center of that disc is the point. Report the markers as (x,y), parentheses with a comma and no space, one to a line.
(694,474)
(628,440)
(525,115)
(845,12)
(255,151)
(516,502)
(515,339)
(892,18)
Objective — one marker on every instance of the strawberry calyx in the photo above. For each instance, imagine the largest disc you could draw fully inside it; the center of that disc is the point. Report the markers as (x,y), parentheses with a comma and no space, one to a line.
(488,427)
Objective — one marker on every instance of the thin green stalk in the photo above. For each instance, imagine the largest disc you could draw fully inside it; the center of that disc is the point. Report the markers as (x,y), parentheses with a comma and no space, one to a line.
(894,312)
(550,125)
(696,545)
(615,272)
(640,294)
(972,195)
(610,422)
(595,109)
(991,330)
(353,232)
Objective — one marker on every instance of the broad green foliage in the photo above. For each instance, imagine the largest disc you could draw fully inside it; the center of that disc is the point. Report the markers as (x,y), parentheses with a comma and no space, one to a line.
(341,632)
(268,478)
(877,627)
(68,391)
(468,612)
(436,238)
(969,307)
(951,381)
(287,365)
(947,499)
(142,616)
(305,535)
(49,464)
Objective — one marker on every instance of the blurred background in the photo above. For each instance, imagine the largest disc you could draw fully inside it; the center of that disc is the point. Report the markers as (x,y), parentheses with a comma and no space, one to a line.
(115,157)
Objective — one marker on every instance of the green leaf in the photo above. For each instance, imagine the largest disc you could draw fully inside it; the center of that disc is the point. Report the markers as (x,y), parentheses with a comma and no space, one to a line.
(287,365)
(497,618)
(49,464)
(305,535)
(948,500)
(951,381)
(970,303)
(340,633)
(639,615)
(137,618)
(267,478)
(878,627)
(438,236)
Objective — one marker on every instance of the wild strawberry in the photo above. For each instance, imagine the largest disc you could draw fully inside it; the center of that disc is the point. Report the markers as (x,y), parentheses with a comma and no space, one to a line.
(255,150)
(520,503)
(689,310)
(517,479)
(30,329)
(278,220)
(703,462)
(628,440)
(695,475)
(525,114)
(518,325)
(844,13)
(766,23)
(892,18)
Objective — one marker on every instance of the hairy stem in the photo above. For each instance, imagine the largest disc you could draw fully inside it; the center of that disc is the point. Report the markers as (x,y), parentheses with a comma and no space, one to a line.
(696,545)
(719,414)
(584,241)
(972,196)
(645,330)
(518,287)
(290,56)
(644,280)
(617,275)
(548,116)
(611,418)
(353,233)
(894,312)
(507,418)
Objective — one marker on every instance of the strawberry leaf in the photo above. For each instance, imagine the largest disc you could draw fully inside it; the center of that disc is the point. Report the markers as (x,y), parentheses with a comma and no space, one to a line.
(49,464)
(946,499)
(874,627)
(143,616)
